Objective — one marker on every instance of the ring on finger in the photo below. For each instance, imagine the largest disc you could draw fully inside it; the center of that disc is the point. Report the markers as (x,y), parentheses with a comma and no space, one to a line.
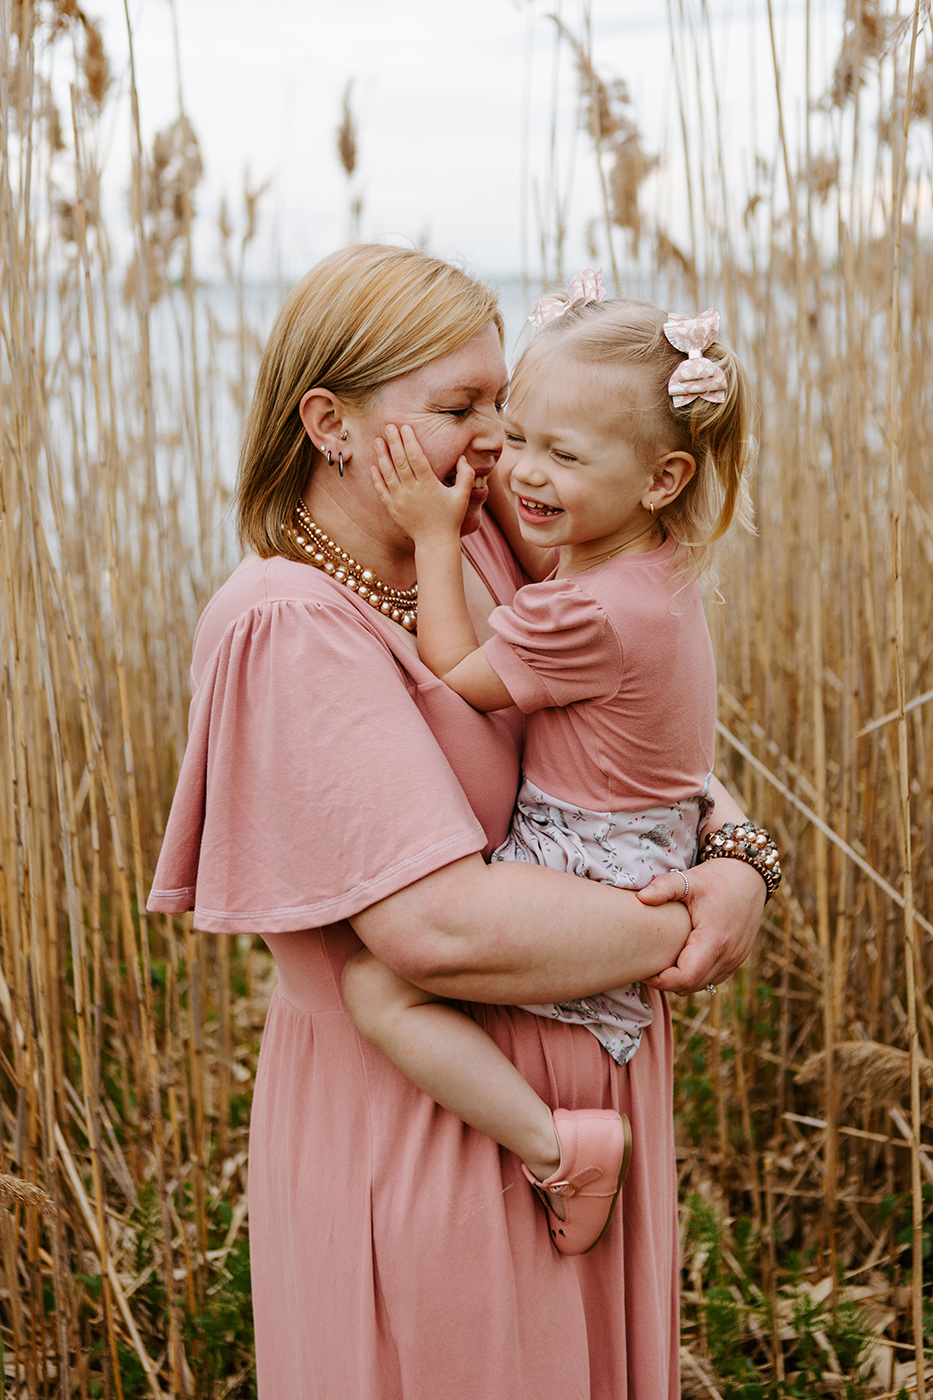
(711,988)
(686,883)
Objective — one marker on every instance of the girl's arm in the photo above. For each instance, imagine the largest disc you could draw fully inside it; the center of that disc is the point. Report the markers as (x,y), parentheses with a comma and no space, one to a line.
(432,513)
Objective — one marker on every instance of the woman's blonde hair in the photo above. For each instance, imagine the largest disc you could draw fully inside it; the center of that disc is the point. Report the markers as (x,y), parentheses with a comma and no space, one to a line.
(612,335)
(362,316)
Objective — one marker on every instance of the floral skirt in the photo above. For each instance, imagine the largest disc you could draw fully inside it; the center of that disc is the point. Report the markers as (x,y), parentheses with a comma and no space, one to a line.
(626,849)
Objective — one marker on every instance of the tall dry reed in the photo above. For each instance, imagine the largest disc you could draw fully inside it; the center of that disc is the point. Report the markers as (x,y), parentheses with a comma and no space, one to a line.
(127,1044)
(804,1089)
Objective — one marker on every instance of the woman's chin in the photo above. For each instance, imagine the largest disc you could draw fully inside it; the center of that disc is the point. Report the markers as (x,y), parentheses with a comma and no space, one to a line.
(472,519)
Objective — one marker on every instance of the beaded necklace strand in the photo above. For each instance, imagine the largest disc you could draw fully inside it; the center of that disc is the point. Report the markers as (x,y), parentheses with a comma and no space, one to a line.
(400,604)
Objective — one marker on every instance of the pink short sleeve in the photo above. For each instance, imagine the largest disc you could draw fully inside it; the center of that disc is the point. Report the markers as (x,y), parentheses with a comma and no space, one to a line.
(554,647)
(311,786)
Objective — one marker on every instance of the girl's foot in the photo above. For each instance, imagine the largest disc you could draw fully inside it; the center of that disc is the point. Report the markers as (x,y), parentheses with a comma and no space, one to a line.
(595,1148)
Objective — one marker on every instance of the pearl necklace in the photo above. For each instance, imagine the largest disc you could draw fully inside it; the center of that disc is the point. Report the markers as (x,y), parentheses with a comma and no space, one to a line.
(400,604)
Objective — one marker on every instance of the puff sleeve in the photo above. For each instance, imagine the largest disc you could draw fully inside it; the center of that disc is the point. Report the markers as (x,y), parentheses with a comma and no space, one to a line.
(554,647)
(311,786)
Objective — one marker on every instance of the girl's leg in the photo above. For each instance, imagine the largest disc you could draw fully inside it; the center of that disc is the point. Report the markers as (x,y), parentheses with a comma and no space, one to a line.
(452,1060)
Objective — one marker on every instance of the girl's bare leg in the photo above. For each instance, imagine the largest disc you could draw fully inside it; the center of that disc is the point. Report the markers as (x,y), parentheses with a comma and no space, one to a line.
(452,1060)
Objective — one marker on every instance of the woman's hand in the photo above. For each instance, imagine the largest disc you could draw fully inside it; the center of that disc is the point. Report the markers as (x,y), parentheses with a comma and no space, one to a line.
(725,903)
(404,480)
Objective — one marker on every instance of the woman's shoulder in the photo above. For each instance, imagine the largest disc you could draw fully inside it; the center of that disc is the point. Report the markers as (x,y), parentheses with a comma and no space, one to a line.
(256,581)
(265,597)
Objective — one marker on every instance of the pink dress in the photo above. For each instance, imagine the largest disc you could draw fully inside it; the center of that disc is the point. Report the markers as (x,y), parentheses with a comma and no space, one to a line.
(396,1253)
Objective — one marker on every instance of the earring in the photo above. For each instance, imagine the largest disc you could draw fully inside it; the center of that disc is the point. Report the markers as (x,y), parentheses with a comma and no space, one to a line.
(651,507)
(340,463)
(330,459)
(344,435)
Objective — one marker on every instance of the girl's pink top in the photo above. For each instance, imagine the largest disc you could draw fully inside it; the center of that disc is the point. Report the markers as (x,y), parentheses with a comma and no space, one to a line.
(614,670)
(396,1254)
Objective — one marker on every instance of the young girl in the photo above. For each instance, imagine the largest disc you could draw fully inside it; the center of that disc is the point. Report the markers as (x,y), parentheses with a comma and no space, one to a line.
(627,459)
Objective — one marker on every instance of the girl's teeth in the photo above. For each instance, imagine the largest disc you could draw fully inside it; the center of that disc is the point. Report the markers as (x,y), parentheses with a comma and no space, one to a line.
(538,507)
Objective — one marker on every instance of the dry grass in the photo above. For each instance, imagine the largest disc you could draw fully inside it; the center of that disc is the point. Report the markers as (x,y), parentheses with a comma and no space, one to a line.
(127,1044)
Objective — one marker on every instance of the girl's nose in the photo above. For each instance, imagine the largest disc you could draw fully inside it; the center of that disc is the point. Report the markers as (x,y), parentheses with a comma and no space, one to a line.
(527,471)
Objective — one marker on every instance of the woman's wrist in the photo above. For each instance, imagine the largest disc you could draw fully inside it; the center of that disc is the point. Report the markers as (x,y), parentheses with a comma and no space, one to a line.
(746,842)
(753,845)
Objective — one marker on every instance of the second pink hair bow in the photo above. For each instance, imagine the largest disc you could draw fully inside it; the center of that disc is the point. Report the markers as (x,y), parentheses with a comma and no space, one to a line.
(587,286)
(697,377)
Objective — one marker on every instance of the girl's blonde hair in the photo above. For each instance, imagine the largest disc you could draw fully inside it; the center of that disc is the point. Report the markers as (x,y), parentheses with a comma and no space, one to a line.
(612,335)
(362,316)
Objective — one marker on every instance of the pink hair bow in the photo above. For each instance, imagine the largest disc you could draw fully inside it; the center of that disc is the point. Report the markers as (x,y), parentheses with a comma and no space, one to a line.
(587,286)
(697,377)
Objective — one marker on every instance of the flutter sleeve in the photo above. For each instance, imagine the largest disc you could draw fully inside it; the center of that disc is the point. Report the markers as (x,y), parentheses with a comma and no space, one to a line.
(311,785)
(554,646)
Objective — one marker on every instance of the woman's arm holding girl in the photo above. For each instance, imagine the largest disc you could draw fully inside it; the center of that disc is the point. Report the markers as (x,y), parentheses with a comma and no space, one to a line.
(510,933)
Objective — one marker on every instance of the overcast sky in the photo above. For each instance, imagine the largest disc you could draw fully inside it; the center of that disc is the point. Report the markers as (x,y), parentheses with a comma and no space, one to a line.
(443,91)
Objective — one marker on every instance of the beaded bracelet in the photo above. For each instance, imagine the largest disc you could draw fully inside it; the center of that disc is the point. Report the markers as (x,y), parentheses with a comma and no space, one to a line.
(749,843)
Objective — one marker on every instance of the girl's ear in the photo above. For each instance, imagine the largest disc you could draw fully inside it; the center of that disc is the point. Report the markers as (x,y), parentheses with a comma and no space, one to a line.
(321,413)
(671,474)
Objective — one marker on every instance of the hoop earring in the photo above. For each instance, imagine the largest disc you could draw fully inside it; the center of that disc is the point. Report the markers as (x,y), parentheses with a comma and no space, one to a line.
(330,459)
(651,507)
(340,463)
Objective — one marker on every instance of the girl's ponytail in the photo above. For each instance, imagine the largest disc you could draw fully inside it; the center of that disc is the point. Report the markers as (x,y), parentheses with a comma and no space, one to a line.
(720,437)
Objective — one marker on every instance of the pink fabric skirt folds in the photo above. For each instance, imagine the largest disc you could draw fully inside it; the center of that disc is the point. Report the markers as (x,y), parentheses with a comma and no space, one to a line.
(399,1255)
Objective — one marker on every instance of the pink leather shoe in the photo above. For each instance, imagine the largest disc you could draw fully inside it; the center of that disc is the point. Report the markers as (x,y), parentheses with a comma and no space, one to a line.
(595,1151)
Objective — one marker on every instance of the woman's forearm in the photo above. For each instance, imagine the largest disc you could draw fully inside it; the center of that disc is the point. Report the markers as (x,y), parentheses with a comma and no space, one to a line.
(510,933)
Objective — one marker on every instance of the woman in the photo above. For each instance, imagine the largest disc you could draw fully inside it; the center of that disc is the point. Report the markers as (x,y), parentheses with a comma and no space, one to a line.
(334,792)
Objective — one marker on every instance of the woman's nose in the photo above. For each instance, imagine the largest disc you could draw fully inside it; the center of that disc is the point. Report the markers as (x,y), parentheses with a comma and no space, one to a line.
(487,435)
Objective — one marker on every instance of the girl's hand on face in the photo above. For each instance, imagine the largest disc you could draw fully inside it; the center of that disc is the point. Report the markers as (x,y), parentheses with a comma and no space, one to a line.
(411,492)
(725,905)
